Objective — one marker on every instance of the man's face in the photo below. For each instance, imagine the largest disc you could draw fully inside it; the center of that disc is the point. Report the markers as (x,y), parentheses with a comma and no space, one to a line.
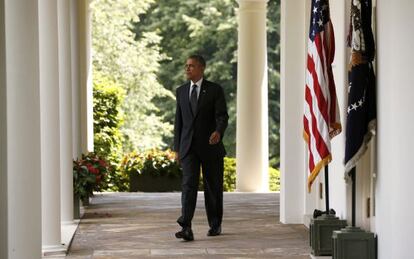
(193,70)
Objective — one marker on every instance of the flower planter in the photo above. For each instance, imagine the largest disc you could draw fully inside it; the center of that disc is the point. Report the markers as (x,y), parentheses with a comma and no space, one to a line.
(149,183)
(85,202)
(76,207)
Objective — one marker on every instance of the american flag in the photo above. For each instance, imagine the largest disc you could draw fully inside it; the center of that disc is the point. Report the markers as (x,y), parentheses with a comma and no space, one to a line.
(361,112)
(321,117)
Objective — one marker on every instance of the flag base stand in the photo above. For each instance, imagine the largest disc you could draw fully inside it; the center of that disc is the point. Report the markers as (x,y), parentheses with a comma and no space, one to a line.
(353,243)
(323,224)
(320,233)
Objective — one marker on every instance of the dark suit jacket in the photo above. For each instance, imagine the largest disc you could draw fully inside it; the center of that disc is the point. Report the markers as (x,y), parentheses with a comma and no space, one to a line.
(195,129)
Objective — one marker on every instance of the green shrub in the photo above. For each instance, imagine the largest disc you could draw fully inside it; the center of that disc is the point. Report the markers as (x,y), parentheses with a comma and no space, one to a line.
(152,162)
(274,179)
(108,118)
(162,163)
(229,176)
(89,174)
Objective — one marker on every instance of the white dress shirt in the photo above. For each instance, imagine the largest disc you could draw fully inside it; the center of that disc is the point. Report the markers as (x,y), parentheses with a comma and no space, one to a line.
(198,83)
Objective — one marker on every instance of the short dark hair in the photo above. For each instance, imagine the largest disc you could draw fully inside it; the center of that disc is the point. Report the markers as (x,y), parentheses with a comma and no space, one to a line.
(199,59)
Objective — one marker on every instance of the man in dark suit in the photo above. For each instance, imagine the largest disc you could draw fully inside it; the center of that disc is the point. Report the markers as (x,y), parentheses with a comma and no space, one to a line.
(200,121)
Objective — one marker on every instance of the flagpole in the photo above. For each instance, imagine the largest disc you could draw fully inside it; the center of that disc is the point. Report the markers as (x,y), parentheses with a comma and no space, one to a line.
(327,189)
(328,211)
(352,173)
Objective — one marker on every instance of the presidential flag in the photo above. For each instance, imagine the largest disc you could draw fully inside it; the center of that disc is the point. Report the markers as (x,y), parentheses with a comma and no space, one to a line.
(321,116)
(361,110)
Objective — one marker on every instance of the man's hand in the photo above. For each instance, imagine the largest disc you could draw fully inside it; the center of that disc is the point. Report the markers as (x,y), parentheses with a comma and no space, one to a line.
(214,138)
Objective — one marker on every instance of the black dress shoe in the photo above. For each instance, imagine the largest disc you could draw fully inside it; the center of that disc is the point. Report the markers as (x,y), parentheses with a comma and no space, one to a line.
(186,234)
(214,231)
(180,234)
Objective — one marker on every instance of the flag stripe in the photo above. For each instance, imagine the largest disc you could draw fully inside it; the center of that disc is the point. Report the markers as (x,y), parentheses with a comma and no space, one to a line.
(321,114)
(321,148)
(322,105)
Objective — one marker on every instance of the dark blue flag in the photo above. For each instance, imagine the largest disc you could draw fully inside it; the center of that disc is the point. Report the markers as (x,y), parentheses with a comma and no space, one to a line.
(361,110)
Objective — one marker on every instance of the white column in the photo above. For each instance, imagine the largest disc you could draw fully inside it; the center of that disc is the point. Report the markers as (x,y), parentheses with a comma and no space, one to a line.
(3,137)
(292,81)
(252,150)
(85,61)
(65,86)
(395,80)
(21,119)
(75,75)
(50,135)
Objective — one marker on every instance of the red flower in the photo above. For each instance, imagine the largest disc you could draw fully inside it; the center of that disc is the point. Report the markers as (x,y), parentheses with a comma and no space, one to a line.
(102,163)
(94,170)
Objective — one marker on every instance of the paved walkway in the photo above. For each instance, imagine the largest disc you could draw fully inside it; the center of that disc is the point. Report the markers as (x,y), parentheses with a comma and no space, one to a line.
(142,225)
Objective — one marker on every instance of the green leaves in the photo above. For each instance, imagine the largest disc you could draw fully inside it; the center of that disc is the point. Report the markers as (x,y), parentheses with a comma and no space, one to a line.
(132,65)
(152,162)
(108,117)
(89,174)
(209,27)
(141,46)
(229,177)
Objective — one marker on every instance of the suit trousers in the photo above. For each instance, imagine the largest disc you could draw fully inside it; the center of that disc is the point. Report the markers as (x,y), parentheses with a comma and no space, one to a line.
(212,168)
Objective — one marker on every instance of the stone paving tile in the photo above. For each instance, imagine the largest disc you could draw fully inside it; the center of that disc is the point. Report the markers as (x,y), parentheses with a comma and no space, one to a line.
(234,251)
(142,225)
(184,252)
(126,252)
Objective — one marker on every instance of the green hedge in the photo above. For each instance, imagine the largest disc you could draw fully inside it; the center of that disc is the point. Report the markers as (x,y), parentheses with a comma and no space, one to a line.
(162,163)
(108,118)
(229,177)
(152,162)
(274,179)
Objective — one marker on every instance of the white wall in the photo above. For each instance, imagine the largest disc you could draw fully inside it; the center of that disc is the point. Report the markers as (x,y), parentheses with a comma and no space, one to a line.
(395,77)
(393,185)
(292,80)
(295,201)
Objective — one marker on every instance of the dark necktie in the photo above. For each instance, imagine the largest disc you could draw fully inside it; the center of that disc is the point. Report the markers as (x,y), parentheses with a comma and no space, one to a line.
(193,99)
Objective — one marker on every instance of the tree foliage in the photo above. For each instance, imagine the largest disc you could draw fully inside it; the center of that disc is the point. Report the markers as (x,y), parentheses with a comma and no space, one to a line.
(133,65)
(273,56)
(108,118)
(205,27)
(209,28)
(142,46)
